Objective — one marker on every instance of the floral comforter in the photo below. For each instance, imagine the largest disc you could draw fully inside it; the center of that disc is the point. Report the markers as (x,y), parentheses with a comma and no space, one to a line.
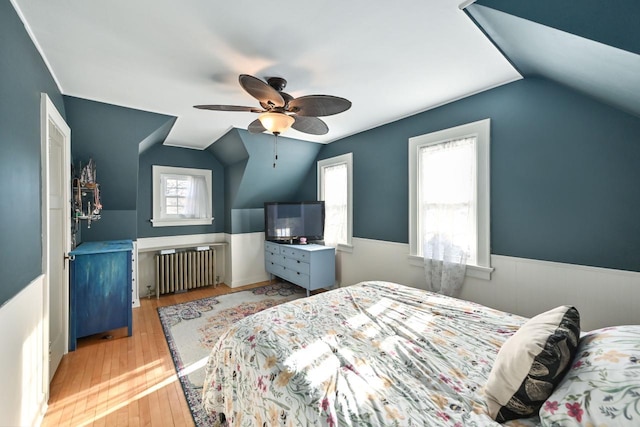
(372,354)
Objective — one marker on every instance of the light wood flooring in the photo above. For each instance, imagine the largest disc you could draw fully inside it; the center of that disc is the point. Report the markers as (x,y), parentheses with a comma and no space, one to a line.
(124,381)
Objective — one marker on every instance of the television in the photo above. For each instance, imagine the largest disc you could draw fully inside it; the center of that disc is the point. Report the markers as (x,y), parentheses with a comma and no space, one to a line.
(289,221)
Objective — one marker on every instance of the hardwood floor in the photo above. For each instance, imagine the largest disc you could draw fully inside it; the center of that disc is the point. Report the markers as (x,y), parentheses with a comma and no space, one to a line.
(115,380)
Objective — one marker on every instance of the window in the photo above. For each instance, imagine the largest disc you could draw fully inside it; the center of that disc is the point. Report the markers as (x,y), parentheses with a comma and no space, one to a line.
(449,191)
(335,187)
(181,196)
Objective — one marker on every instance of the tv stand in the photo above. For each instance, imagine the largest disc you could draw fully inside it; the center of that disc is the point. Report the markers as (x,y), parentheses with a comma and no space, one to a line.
(310,266)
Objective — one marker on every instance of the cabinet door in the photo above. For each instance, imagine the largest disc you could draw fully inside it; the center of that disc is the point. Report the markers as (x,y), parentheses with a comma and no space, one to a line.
(101,292)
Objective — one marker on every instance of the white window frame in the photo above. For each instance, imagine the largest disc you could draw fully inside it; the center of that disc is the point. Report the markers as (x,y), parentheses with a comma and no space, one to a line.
(159,218)
(481,130)
(333,161)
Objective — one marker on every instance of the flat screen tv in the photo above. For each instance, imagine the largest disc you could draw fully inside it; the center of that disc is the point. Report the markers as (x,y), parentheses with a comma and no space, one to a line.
(288,221)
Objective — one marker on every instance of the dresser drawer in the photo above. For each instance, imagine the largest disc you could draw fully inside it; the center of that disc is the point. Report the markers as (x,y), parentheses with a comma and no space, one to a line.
(274,248)
(273,257)
(296,265)
(278,270)
(295,253)
(298,278)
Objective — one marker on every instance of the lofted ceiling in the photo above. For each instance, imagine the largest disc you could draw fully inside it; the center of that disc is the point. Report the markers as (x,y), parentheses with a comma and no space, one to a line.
(165,56)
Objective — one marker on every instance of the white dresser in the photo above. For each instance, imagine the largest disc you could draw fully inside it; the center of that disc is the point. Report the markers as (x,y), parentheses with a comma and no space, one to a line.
(309,266)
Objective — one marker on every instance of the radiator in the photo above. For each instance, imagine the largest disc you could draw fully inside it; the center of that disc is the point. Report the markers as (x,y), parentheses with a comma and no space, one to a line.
(181,271)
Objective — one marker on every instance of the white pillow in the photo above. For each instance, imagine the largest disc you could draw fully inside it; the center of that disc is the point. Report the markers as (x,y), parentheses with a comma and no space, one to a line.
(603,385)
(531,363)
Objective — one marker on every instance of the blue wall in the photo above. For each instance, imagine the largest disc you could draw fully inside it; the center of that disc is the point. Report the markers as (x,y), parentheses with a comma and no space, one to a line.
(564,167)
(564,174)
(262,182)
(23,77)
(180,157)
(111,135)
(250,178)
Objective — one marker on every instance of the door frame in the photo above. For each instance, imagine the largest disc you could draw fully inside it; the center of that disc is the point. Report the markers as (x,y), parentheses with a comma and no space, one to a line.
(48,111)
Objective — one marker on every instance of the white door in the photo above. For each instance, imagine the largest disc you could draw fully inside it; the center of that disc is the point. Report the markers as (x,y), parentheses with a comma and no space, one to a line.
(58,233)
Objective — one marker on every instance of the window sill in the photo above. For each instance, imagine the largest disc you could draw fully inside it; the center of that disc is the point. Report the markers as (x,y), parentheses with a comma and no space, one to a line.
(345,248)
(180,222)
(475,271)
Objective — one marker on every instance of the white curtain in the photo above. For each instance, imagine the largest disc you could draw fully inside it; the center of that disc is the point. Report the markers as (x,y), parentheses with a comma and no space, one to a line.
(447,202)
(197,203)
(445,266)
(335,204)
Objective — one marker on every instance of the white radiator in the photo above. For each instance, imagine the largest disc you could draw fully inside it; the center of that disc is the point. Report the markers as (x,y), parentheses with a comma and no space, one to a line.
(184,270)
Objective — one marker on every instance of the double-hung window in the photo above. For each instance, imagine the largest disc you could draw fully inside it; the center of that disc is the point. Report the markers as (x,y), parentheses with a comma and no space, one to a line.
(335,187)
(181,196)
(449,192)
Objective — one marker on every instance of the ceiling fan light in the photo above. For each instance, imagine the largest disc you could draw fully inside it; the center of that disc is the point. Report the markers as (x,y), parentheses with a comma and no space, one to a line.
(276,122)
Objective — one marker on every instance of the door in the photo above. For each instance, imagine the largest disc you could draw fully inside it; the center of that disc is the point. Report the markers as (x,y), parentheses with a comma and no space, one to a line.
(57,234)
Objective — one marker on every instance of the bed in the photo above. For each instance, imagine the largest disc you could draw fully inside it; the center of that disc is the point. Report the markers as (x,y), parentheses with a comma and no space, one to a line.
(383,354)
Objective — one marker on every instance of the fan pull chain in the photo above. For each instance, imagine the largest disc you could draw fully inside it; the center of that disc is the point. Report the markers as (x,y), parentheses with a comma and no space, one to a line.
(275,149)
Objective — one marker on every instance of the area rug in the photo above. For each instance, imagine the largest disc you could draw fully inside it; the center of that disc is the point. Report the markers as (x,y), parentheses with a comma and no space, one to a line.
(192,328)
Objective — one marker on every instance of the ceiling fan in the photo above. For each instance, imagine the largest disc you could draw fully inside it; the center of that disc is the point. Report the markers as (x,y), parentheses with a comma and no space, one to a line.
(280,111)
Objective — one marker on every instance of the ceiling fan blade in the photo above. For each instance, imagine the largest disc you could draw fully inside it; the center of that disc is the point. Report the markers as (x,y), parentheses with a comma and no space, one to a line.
(311,125)
(256,127)
(228,108)
(318,105)
(261,91)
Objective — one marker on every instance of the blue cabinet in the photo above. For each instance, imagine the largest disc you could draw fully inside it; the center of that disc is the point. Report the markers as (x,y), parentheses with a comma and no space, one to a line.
(310,266)
(100,289)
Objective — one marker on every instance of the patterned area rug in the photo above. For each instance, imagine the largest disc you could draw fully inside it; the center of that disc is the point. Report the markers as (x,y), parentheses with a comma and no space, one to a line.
(192,328)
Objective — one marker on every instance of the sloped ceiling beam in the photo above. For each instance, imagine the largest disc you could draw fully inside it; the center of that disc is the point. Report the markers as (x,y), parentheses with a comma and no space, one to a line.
(248,160)
(606,73)
(156,137)
(612,23)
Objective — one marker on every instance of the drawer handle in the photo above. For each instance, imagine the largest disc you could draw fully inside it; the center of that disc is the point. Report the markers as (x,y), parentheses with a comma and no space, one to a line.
(298,262)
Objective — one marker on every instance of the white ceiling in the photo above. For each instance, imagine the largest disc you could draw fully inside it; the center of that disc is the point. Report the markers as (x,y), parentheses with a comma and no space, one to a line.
(391,60)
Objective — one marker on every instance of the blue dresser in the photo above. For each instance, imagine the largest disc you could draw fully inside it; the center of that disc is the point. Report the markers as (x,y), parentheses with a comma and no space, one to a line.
(310,266)
(100,289)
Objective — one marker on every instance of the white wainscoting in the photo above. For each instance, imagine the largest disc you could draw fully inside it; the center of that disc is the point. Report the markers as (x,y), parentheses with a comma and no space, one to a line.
(604,297)
(24,400)
(526,287)
(147,247)
(246,260)
(240,263)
